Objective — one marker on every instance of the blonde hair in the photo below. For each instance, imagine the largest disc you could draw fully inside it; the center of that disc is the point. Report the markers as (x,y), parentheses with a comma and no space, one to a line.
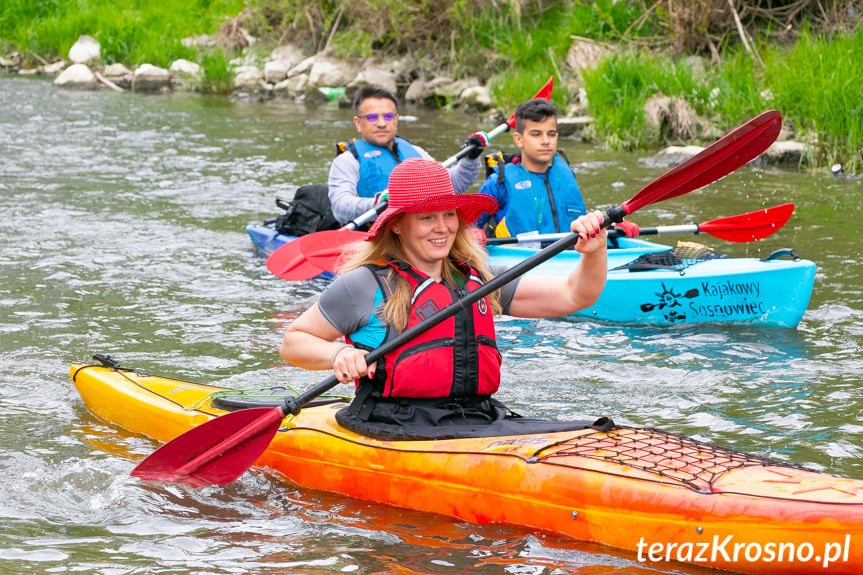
(386,247)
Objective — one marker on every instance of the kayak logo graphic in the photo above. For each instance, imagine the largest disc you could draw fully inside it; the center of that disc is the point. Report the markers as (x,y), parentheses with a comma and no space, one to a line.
(669,300)
(482,306)
(372,154)
(523,185)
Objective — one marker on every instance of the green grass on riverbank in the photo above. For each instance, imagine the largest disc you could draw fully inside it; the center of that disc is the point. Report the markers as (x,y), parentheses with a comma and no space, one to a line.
(129,31)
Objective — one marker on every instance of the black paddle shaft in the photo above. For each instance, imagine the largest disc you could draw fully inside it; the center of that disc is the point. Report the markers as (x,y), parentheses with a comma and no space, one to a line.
(293,405)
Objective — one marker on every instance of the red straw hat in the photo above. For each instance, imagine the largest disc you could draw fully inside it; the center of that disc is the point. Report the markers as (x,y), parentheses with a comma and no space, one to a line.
(421,186)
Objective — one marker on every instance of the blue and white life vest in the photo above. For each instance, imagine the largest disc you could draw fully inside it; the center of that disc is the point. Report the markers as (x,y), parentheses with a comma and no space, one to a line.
(546,203)
(376,163)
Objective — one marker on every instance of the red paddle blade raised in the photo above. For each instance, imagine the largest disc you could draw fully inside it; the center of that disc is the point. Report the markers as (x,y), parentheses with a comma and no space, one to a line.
(216,452)
(544,92)
(310,256)
(749,227)
(719,159)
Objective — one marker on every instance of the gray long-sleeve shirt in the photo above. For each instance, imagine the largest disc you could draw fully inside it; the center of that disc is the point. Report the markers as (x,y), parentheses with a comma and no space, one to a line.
(345,174)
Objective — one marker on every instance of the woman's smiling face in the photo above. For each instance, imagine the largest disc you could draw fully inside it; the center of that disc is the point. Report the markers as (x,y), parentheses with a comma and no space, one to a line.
(427,239)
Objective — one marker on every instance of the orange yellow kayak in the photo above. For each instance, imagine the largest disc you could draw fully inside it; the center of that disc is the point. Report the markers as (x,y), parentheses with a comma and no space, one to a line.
(663,496)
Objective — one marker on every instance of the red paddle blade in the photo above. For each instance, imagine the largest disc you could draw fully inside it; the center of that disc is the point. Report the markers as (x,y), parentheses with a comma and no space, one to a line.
(544,92)
(309,256)
(215,452)
(749,227)
(719,159)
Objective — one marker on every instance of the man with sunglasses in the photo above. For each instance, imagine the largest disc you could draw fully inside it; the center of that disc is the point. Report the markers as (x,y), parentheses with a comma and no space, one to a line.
(360,173)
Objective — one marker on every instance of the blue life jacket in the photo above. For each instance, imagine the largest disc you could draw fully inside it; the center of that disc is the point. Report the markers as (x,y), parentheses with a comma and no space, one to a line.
(377,163)
(546,203)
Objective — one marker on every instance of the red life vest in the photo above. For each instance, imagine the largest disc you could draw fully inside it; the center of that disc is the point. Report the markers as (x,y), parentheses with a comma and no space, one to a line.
(456,358)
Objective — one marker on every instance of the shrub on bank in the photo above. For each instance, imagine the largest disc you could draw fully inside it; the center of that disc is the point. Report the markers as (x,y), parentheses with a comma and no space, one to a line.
(816,84)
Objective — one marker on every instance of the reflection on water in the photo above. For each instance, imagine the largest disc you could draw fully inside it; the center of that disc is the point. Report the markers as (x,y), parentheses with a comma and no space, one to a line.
(122,233)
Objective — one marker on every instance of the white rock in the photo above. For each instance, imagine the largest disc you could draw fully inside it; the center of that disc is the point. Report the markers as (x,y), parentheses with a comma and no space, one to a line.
(378,76)
(84,50)
(572,125)
(77,76)
(150,78)
(289,54)
(293,85)
(303,67)
(784,153)
(185,68)
(328,71)
(248,77)
(120,75)
(276,70)
(477,96)
(671,156)
(55,68)
(416,90)
(116,69)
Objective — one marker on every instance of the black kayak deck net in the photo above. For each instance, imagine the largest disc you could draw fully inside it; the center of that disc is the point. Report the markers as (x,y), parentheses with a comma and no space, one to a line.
(686,254)
(678,458)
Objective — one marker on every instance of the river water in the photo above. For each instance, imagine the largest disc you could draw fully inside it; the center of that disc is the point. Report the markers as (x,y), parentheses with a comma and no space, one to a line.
(122,233)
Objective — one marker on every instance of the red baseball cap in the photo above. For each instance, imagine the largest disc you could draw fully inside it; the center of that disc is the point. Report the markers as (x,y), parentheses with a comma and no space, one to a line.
(420,186)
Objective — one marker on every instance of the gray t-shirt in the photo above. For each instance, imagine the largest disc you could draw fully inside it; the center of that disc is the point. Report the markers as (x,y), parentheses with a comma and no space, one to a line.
(354,304)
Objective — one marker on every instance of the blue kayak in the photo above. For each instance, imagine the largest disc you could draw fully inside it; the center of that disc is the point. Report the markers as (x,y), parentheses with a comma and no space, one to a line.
(649,283)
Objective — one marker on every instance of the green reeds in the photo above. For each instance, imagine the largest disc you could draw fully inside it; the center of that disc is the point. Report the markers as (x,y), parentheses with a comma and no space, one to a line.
(817,85)
(218,75)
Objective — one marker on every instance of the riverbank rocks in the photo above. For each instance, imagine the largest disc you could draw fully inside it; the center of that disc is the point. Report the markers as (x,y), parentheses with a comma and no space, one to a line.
(85,50)
(248,79)
(573,125)
(11,63)
(375,74)
(292,86)
(784,154)
(671,156)
(280,62)
(328,71)
(45,70)
(148,78)
(787,153)
(185,75)
(77,77)
(445,91)
(120,75)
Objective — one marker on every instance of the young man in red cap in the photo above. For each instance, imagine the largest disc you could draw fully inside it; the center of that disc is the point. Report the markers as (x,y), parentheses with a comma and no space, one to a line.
(420,257)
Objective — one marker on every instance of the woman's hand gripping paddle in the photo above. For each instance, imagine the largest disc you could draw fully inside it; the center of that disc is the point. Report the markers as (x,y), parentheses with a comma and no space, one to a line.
(741,228)
(221,449)
(310,255)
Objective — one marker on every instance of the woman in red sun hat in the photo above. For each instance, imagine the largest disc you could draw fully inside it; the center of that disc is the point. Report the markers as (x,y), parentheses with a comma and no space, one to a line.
(421,256)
